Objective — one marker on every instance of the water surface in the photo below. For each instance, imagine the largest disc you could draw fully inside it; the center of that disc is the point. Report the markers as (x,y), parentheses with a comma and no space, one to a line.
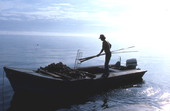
(34,51)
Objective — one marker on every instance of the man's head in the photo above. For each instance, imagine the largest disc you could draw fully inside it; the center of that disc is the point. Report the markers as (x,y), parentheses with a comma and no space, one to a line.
(102,37)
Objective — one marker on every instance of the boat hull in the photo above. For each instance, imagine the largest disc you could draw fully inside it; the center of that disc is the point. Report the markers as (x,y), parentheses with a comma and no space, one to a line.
(29,80)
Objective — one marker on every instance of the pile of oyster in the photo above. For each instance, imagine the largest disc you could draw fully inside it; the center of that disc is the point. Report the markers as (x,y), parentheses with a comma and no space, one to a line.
(65,71)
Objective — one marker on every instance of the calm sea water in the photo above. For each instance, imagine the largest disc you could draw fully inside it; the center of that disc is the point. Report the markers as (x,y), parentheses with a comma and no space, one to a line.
(32,52)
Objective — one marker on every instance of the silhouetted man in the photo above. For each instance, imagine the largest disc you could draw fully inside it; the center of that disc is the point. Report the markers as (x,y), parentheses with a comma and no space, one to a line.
(106,48)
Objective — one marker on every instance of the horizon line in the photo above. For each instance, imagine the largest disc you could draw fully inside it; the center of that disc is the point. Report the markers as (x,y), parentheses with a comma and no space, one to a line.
(37,33)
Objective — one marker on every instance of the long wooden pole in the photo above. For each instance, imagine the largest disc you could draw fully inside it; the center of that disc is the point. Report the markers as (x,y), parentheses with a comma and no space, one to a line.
(90,57)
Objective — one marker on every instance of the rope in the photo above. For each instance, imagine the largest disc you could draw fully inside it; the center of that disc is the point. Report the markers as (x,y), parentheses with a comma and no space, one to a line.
(3,84)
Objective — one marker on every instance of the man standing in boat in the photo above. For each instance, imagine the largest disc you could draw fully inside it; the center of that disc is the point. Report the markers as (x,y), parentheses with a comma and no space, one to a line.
(106,48)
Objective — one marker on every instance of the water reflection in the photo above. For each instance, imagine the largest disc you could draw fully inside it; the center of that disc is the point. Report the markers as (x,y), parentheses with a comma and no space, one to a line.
(150,91)
(105,103)
(165,101)
(135,96)
(28,101)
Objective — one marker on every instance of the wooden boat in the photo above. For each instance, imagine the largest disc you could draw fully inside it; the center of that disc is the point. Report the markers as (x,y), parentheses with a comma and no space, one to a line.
(30,80)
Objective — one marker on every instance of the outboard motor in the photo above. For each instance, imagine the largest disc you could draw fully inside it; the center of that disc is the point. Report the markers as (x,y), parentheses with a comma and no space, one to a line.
(131,63)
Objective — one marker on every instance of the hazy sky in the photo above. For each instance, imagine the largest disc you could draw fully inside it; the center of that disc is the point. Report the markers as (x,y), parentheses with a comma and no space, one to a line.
(134,20)
(70,16)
